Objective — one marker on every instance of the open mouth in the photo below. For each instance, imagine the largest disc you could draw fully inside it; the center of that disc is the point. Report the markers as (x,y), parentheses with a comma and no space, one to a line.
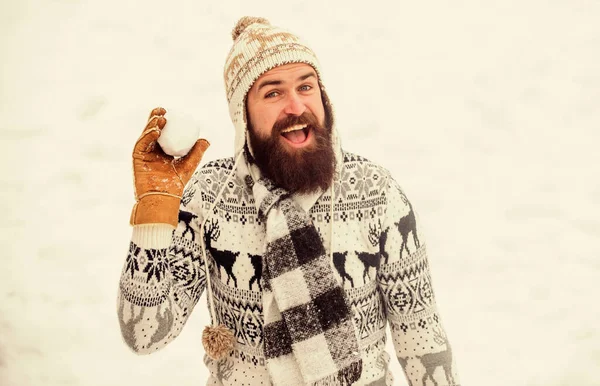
(296,135)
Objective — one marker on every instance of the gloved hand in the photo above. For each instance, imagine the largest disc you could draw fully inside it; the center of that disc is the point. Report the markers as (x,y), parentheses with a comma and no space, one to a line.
(158,178)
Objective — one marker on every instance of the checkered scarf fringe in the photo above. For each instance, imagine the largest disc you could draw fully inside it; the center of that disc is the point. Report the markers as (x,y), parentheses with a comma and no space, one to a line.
(309,336)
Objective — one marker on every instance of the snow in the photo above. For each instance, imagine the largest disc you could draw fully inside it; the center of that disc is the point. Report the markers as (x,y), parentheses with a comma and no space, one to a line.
(487,113)
(179,134)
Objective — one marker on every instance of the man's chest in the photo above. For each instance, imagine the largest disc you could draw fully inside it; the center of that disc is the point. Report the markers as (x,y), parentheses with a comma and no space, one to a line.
(235,238)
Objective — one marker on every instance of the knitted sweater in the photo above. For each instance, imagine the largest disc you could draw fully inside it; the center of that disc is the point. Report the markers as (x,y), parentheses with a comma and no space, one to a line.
(379,257)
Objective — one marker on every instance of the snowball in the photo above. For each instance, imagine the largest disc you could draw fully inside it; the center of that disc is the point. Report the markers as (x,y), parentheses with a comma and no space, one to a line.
(179,134)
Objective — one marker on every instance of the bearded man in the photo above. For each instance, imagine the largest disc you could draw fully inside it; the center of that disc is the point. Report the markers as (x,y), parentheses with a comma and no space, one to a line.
(306,251)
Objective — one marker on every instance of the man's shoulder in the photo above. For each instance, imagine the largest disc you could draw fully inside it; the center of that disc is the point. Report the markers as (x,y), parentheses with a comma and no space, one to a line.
(362,179)
(218,164)
(370,179)
(352,160)
(209,175)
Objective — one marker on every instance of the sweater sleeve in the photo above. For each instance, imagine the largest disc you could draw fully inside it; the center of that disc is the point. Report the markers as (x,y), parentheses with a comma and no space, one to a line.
(420,341)
(162,280)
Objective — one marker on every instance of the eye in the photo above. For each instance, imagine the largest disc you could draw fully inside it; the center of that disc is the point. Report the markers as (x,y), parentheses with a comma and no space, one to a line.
(306,87)
(272,94)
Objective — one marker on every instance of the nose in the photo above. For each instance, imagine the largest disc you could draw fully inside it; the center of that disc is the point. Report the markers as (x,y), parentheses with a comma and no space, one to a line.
(294,105)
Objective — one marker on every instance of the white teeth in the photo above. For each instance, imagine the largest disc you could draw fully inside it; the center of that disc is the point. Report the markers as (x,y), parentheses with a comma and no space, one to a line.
(294,128)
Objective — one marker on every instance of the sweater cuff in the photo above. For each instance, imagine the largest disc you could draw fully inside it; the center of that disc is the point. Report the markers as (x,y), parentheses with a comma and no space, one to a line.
(155,236)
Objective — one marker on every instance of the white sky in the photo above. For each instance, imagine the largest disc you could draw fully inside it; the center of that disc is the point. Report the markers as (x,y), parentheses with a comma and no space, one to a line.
(487,113)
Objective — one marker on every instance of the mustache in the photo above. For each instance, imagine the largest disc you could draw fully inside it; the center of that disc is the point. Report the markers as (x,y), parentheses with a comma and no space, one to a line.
(307,118)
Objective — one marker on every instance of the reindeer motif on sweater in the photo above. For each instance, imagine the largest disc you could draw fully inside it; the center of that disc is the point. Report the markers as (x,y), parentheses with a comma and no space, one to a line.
(377,238)
(441,359)
(406,226)
(223,259)
(187,218)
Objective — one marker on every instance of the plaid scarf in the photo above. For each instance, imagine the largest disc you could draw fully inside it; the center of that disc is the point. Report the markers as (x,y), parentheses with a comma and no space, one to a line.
(309,336)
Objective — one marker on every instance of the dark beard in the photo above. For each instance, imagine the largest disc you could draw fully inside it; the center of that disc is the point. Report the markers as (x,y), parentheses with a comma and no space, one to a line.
(303,170)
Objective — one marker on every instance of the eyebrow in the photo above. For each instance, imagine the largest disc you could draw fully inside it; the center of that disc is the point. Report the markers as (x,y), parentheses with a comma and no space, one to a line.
(265,83)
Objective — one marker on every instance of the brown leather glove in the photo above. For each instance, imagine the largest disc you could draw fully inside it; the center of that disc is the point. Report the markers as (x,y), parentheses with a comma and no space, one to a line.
(158,178)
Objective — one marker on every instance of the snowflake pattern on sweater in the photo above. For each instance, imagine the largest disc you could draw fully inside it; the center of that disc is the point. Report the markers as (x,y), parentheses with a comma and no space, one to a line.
(379,257)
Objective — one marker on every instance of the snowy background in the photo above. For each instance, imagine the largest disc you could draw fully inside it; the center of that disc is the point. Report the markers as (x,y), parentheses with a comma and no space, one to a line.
(488,114)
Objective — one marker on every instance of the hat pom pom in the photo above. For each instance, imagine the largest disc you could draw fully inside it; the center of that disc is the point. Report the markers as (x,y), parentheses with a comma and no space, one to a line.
(244,22)
(217,341)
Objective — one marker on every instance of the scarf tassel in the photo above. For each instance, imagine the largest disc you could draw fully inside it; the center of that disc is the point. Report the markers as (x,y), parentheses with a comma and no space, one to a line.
(345,377)
(218,341)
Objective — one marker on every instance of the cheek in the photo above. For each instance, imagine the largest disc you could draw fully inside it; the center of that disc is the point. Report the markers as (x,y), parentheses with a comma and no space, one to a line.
(263,122)
(318,111)
(315,104)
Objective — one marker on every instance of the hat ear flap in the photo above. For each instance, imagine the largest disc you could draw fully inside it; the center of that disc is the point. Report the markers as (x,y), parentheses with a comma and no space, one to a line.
(329,119)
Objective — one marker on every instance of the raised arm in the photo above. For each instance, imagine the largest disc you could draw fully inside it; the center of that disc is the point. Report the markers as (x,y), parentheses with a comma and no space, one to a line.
(421,344)
(163,275)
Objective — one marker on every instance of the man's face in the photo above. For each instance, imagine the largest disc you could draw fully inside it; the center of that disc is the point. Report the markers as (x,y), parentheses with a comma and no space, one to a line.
(286,123)
(288,90)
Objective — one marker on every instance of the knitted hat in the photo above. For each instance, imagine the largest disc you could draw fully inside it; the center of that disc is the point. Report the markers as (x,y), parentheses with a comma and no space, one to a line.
(257,48)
